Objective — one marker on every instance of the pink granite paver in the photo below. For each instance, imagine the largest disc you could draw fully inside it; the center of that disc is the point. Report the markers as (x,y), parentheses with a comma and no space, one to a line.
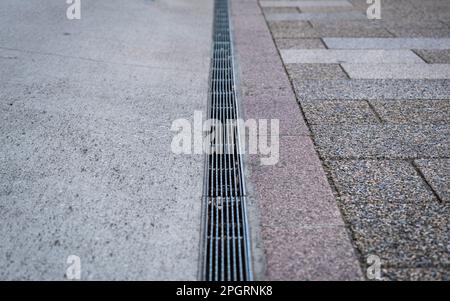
(302,232)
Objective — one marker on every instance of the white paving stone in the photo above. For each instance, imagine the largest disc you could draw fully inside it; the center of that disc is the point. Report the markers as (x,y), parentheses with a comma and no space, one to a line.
(338,56)
(301,4)
(398,71)
(387,43)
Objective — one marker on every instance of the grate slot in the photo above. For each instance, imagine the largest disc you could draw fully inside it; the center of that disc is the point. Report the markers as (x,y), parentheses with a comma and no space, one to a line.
(226,245)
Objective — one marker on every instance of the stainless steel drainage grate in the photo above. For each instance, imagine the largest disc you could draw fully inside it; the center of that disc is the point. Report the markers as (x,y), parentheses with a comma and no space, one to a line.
(226,245)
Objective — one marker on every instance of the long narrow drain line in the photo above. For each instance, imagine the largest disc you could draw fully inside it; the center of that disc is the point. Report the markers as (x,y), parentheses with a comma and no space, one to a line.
(226,245)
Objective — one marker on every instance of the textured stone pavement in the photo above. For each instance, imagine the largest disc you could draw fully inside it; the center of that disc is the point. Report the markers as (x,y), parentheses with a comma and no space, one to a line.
(86,166)
(380,120)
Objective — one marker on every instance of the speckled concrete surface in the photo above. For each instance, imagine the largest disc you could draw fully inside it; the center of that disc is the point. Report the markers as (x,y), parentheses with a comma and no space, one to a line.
(339,112)
(316,71)
(394,141)
(86,166)
(434,56)
(383,131)
(407,111)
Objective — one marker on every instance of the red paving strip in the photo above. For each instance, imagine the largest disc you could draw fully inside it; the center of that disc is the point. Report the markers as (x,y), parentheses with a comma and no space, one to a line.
(302,232)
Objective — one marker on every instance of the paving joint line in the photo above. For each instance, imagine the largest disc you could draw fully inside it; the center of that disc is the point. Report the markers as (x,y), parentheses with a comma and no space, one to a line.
(374,111)
(416,53)
(427,183)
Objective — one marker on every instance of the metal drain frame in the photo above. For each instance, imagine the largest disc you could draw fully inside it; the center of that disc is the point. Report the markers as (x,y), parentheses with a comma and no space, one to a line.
(225,247)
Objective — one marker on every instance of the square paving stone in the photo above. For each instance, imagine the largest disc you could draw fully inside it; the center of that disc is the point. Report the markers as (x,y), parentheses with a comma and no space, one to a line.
(434,56)
(339,112)
(394,141)
(315,71)
(437,173)
(392,212)
(409,111)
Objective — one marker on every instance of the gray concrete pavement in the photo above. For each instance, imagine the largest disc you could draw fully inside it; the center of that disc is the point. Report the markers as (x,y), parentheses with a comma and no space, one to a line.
(85,161)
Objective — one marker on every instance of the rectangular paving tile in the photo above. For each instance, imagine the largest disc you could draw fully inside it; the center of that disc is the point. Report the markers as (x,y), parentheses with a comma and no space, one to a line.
(407,111)
(315,71)
(352,31)
(419,31)
(438,273)
(304,3)
(316,16)
(293,43)
(394,141)
(370,89)
(285,110)
(310,254)
(355,56)
(277,10)
(327,9)
(387,43)
(437,174)
(339,112)
(294,192)
(397,71)
(392,213)
(434,56)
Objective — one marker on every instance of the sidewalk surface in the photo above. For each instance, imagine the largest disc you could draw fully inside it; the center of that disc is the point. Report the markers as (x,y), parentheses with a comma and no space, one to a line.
(86,166)
(375,95)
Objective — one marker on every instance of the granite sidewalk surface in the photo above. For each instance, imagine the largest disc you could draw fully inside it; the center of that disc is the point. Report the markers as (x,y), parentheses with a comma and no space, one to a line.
(365,138)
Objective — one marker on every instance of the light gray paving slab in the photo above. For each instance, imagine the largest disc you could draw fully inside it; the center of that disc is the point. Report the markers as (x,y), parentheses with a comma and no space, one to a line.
(355,56)
(387,43)
(357,89)
(316,16)
(393,141)
(305,3)
(397,71)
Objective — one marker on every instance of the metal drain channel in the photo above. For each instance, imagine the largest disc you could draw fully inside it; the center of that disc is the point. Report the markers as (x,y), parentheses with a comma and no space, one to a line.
(226,244)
